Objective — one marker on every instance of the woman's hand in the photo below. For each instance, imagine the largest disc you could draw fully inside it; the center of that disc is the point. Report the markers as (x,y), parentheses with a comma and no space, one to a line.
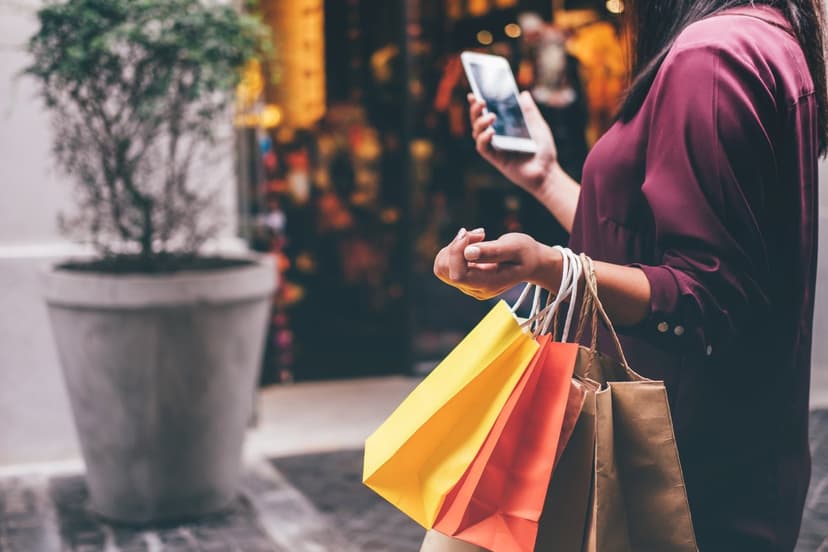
(529,171)
(487,269)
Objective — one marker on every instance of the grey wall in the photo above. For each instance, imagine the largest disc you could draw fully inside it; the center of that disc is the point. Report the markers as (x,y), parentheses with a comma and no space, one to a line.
(32,192)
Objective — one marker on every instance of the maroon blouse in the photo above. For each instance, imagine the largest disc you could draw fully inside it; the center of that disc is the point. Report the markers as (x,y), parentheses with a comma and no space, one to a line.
(712,190)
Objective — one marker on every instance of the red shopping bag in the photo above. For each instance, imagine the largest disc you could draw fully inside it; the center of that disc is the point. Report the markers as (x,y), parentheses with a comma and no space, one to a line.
(498,501)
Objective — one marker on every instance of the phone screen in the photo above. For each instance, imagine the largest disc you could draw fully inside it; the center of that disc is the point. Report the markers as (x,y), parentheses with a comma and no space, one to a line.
(495,85)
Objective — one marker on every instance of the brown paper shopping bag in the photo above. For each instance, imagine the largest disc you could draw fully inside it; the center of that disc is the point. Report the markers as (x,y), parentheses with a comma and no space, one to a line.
(618,485)
(563,521)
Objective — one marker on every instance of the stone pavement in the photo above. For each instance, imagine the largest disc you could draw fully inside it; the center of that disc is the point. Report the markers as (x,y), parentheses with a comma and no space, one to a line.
(333,483)
(40,514)
(313,503)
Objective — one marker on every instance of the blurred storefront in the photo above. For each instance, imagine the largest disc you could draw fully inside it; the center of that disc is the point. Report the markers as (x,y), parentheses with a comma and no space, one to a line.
(356,164)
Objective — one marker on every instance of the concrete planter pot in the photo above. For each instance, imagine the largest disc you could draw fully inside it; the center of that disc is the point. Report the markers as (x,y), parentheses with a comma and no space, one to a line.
(161,373)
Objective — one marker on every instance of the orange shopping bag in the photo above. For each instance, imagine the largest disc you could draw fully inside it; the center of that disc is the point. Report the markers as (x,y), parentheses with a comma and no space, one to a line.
(498,501)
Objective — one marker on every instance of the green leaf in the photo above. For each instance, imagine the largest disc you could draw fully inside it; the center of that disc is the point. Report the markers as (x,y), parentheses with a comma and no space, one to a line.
(127,78)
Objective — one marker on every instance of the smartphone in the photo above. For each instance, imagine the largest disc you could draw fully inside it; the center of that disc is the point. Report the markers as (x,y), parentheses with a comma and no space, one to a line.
(492,81)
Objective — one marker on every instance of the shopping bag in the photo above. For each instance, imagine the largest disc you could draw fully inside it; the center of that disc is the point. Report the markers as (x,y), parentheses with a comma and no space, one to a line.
(563,521)
(618,485)
(497,503)
(574,406)
(646,470)
(421,451)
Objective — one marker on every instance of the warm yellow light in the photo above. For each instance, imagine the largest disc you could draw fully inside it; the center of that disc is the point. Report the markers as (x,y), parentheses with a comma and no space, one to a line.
(485,38)
(298,34)
(615,6)
(249,120)
(270,117)
(251,84)
(512,30)
(477,7)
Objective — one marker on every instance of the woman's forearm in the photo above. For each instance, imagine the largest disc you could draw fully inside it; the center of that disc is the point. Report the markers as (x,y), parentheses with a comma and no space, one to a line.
(559,194)
(624,290)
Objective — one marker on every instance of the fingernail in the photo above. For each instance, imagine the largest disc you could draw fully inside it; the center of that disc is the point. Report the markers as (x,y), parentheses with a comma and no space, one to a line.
(472,253)
(477,231)
(460,234)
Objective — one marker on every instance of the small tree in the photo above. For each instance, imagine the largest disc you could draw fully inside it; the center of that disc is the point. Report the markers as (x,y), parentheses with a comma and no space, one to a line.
(136,89)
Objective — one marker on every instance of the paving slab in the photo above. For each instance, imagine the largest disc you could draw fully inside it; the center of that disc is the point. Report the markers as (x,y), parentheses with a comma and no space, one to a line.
(301,503)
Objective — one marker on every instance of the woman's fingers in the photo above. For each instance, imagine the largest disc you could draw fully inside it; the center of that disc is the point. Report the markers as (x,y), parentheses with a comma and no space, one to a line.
(482,131)
(498,251)
(530,108)
(538,126)
(477,235)
(488,281)
(441,262)
(457,266)
(475,107)
(441,265)
(478,268)
(483,142)
(482,123)
(444,257)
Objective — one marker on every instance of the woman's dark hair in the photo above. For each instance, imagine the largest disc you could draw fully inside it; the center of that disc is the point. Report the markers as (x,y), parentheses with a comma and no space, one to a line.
(657,23)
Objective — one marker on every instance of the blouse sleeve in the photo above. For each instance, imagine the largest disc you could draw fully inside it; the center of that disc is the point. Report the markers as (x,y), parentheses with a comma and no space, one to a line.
(709,159)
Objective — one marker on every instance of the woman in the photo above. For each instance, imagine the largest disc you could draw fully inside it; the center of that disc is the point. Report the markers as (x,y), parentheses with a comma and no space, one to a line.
(701,204)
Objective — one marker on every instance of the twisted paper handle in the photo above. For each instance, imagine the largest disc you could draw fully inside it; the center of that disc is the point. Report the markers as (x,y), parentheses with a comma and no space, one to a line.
(597,308)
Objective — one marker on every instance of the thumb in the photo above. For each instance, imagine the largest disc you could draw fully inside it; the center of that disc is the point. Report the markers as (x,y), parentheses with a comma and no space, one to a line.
(537,124)
(497,251)
(528,105)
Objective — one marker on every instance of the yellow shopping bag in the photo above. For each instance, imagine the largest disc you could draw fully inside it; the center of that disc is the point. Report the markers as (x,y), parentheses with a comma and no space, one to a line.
(423,449)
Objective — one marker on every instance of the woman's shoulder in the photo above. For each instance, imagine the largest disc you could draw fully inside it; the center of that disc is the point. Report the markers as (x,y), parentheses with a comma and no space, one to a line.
(759,27)
(749,40)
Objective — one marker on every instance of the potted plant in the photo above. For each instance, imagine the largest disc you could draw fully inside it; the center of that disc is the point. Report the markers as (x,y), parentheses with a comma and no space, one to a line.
(160,345)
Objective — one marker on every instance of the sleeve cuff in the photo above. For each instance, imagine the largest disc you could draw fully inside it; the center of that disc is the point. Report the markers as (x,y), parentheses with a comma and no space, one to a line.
(668,322)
